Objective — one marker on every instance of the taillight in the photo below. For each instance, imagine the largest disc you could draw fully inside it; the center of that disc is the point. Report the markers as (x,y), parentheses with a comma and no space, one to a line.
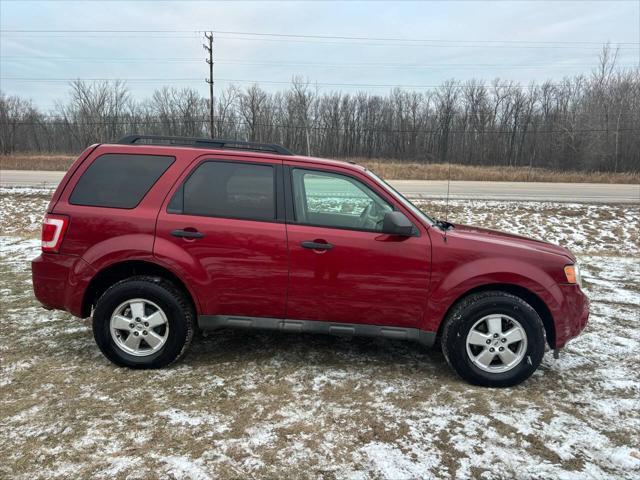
(53,229)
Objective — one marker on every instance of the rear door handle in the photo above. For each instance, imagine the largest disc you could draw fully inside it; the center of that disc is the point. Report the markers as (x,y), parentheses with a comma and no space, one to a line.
(187,234)
(316,245)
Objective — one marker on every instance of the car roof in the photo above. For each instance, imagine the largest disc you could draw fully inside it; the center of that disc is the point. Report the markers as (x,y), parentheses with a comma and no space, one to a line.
(199,151)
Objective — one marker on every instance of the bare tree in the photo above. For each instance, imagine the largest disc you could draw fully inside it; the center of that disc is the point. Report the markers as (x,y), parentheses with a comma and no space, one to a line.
(582,122)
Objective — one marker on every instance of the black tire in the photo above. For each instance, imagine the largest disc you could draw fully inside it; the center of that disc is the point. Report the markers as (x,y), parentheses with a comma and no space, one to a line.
(464,315)
(176,307)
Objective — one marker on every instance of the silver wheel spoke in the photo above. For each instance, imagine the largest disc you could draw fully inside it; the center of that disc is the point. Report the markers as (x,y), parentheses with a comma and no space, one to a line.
(485,357)
(513,335)
(133,344)
(507,356)
(509,347)
(478,338)
(121,323)
(153,339)
(137,309)
(133,341)
(155,319)
(494,324)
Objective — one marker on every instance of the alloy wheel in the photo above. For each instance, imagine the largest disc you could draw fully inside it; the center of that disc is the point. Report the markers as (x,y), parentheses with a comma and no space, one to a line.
(496,343)
(139,327)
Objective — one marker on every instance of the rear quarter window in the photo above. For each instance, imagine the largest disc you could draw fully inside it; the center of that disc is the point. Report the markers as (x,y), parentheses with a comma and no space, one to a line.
(118,180)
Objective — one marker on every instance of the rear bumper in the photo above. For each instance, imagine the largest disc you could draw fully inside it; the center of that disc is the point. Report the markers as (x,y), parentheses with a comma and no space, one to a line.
(572,314)
(60,281)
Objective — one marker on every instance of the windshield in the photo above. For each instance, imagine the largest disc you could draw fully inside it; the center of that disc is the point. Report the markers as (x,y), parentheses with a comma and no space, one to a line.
(402,199)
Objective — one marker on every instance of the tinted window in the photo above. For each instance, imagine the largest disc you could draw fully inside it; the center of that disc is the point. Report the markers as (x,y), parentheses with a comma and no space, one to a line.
(225,189)
(334,200)
(119,181)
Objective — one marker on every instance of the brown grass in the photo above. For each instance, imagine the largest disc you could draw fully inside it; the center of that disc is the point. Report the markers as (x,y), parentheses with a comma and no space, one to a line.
(387,169)
(272,405)
(36,162)
(440,171)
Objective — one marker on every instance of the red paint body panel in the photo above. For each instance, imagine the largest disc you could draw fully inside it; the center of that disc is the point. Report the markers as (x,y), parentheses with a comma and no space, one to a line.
(238,268)
(473,257)
(366,278)
(571,314)
(60,281)
(253,268)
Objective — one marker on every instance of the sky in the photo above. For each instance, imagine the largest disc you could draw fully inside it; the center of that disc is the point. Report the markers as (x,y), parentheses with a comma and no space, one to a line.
(415,44)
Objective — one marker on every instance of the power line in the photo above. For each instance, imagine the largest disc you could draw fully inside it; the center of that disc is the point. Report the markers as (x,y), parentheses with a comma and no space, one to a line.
(319,36)
(426,1)
(319,39)
(310,64)
(556,115)
(391,39)
(442,44)
(100,79)
(8,30)
(277,82)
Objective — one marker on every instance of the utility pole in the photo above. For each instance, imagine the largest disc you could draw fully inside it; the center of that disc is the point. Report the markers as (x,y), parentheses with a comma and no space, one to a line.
(209,49)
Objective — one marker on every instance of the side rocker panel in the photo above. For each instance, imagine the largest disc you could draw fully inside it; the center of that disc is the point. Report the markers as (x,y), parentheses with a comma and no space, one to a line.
(215,322)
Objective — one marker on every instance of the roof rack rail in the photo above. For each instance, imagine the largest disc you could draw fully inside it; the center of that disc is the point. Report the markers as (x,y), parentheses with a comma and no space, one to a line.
(203,143)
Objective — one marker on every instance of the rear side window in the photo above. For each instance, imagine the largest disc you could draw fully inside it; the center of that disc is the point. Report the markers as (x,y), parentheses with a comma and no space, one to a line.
(228,189)
(119,181)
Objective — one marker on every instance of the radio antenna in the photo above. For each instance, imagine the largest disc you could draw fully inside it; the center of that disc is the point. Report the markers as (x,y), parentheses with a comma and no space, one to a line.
(446,204)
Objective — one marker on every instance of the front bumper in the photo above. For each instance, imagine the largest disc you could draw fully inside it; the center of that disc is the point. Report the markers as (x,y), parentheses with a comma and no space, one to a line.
(572,314)
(60,281)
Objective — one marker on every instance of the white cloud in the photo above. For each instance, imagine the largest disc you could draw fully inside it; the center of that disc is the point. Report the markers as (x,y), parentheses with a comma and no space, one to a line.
(472,21)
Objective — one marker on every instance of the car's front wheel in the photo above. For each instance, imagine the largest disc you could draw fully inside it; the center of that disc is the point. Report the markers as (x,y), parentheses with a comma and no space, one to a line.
(493,339)
(143,322)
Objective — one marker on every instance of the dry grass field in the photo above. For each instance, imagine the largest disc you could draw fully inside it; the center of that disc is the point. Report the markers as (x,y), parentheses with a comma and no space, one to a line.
(267,405)
(36,162)
(389,170)
(439,171)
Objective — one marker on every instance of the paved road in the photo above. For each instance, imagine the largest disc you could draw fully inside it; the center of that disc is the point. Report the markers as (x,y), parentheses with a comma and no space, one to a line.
(30,178)
(511,191)
(527,191)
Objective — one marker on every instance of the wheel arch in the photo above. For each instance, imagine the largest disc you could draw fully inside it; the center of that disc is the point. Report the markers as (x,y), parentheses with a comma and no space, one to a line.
(115,272)
(525,294)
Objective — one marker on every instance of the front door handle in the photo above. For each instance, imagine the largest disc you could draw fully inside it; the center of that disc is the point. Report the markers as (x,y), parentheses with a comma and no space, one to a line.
(187,234)
(316,245)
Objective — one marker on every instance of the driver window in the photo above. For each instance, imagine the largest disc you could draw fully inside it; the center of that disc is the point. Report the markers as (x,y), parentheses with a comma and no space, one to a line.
(334,200)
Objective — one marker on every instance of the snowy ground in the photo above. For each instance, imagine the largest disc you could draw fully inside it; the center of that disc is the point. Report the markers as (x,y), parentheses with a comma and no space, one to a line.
(267,405)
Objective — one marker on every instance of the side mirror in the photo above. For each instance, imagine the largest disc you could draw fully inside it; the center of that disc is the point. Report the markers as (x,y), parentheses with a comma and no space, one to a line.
(396,223)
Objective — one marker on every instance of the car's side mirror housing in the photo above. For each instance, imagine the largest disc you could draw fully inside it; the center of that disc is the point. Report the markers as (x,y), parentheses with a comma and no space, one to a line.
(396,223)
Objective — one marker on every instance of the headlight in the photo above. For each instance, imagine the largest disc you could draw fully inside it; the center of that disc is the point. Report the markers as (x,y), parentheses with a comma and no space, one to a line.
(578,275)
(572,272)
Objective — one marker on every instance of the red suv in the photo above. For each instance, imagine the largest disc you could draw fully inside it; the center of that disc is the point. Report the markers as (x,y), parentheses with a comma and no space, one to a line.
(154,236)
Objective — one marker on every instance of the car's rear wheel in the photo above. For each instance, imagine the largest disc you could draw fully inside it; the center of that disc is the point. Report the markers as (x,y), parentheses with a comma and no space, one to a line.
(493,339)
(143,322)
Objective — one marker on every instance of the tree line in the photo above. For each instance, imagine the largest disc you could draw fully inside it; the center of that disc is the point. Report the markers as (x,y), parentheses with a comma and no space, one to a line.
(584,122)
